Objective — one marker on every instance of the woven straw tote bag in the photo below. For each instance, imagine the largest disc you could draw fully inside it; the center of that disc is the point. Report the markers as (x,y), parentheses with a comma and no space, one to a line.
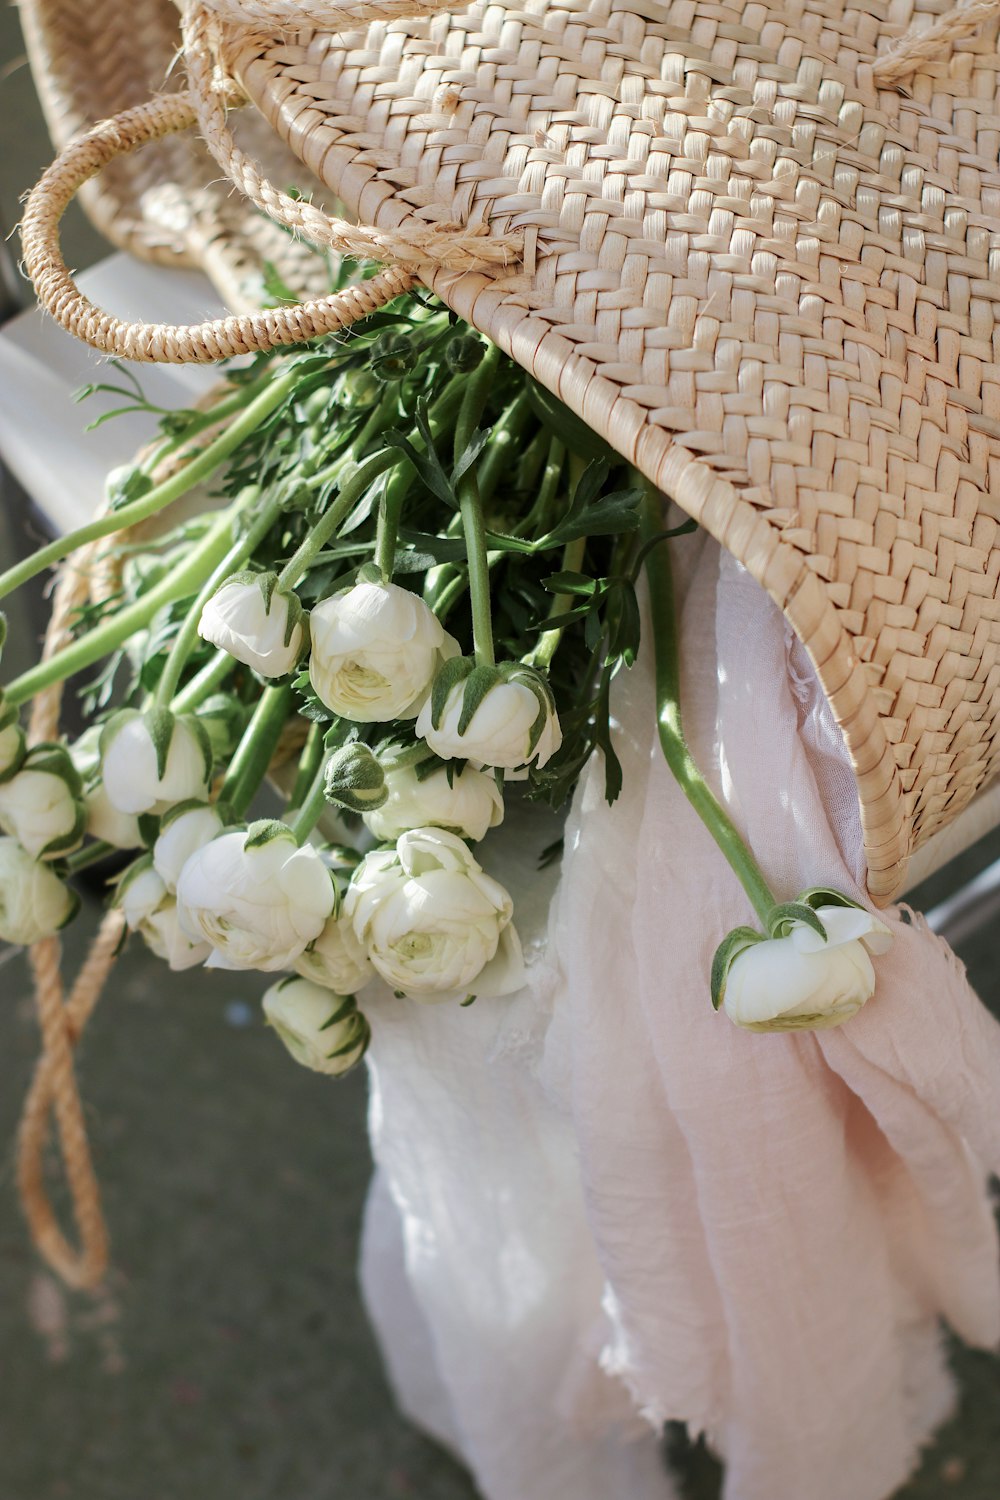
(754,245)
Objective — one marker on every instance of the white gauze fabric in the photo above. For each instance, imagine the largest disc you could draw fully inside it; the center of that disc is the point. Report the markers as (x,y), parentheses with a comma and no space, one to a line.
(782,1219)
(776,1223)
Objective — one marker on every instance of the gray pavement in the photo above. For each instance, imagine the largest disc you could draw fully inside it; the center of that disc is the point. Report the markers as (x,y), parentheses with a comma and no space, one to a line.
(230,1359)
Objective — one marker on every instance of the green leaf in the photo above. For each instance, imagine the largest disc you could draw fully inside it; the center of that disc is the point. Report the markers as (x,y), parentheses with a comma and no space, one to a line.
(732,945)
(820,895)
(469,454)
(608,516)
(570,583)
(780,919)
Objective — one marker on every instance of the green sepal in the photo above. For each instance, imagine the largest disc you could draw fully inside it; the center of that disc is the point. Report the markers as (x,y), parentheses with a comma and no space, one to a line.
(149,825)
(201,734)
(264,830)
(354,779)
(267,583)
(732,945)
(341,1013)
(179,809)
(532,679)
(160,724)
(480,682)
(69,841)
(54,760)
(781,919)
(9,712)
(3,630)
(74,908)
(111,726)
(469,1000)
(821,895)
(451,673)
(131,872)
(17,760)
(358,1042)
(369,572)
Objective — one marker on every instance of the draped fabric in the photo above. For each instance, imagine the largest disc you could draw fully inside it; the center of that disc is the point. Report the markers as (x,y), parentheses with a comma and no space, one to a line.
(600,1201)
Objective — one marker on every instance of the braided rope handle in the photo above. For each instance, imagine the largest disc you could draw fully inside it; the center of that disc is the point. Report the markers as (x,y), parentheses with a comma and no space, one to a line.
(54,1089)
(201,343)
(930,43)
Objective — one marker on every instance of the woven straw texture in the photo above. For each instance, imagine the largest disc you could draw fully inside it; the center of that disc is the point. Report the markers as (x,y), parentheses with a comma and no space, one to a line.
(167,203)
(767,280)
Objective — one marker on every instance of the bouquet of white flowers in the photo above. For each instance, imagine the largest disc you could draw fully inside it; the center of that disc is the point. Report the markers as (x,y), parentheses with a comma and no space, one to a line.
(418,570)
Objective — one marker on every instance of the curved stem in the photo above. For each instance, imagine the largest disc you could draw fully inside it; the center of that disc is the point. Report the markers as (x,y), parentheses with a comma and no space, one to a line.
(117,627)
(471,509)
(367,471)
(244,547)
(311,755)
(501,451)
(215,671)
(313,806)
(248,766)
(202,465)
(668,717)
(548,642)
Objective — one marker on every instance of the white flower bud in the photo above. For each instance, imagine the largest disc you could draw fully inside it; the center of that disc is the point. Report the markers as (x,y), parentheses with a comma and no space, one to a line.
(153,760)
(320,1030)
(42,805)
(184,830)
(104,821)
(375,650)
(502,717)
(799,982)
(34,902)
(434,924)
(468,803)
(150,909)
(256,623)
(336,960)
(256,897)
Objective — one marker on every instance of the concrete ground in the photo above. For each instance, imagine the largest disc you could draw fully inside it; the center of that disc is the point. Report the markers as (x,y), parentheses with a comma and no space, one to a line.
(229,1356)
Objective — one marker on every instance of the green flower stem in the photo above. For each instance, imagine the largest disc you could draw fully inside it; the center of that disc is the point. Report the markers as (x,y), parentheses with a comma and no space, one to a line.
(311,755)
(390,512)
(117,627)
(537,522)
(202,465)
(668,716)
(313,807)
(248,766)
(214,672)
(471,509)
(244,547)
(91,854)
(548,642)
(359,477)
(501,452)
(367,471)
(211,416)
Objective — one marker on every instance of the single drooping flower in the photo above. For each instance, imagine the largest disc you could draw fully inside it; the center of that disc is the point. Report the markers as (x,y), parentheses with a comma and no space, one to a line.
(42,804)
(151,910)
(494,716)
(152,760)
(322,1031)
(185,829)
(256,622)
(256,896)
(34,902)
(375,650)
(800,981)
(434,924)
(468,802)
(336,959)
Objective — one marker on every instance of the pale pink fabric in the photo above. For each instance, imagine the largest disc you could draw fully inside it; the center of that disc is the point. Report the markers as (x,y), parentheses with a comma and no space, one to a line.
(778,1223)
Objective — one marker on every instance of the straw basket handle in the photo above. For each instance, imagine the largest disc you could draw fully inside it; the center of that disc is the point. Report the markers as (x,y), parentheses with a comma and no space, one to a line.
(164,343)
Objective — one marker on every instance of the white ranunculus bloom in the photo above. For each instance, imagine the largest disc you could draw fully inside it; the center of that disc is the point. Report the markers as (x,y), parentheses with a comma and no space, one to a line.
(800,983)
(322,1031)
(468,804)
(104,821)
(34,902)
(434,924)
(256,623)
(183,831)
(151,761)
(256,897)
(375,650)
(499,732)
(42,805)
(150,909)
(336,960)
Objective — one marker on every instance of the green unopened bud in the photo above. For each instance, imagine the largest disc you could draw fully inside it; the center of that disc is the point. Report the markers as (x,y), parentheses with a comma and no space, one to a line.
(464,353)
(393,356)
(355,780)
